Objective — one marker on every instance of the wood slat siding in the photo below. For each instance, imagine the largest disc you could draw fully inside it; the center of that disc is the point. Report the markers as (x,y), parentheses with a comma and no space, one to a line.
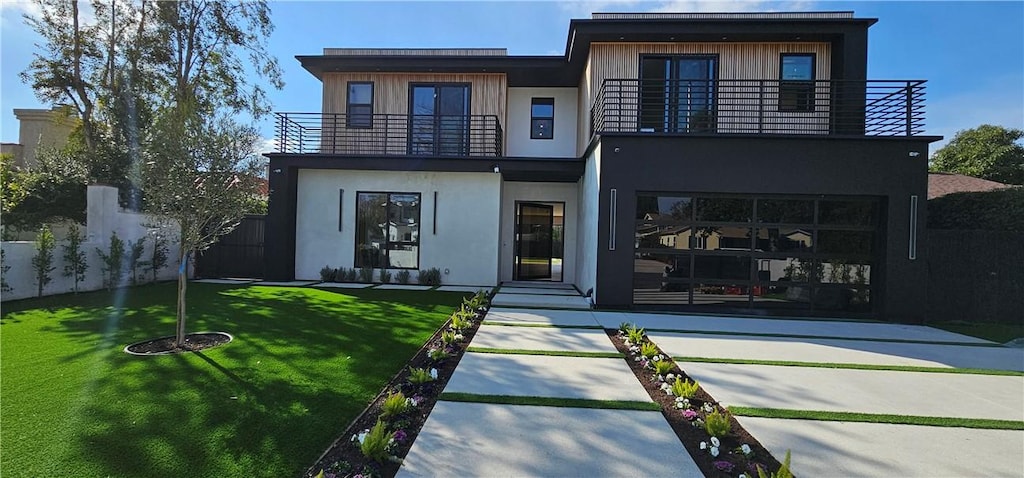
(736,61)
(391,96)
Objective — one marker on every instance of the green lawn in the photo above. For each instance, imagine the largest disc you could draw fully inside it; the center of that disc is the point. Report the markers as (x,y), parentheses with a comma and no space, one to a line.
(304,362)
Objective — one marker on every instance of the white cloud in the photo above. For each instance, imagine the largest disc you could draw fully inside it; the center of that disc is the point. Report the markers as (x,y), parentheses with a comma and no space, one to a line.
(266,145)
(998,101)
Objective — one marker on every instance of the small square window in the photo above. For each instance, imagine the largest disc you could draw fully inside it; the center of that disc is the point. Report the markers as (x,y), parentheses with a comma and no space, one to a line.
(542,118)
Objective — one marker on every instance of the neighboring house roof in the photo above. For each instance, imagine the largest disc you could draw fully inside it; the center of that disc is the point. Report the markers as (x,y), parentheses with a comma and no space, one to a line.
(941,184)
(263,187)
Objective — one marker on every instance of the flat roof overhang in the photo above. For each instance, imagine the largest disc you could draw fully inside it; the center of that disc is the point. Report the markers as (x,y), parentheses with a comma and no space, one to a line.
(511,168)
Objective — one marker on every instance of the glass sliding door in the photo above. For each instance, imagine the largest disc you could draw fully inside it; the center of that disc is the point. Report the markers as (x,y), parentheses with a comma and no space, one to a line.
(534,241)
(439,119)
(677,93)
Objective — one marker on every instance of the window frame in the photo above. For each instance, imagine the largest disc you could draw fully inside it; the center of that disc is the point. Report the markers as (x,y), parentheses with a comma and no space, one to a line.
(349,123)
(542,101)
(387,240)
(799,89)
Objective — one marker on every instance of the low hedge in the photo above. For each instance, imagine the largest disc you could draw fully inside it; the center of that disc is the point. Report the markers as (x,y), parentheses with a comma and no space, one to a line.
(1001,210)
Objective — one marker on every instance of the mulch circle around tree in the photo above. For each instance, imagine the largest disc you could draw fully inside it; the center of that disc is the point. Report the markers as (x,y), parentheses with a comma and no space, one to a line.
(691,436)
(344,457)
(165,345)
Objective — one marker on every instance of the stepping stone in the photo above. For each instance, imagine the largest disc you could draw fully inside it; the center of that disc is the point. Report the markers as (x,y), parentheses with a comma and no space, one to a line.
(464,288)
(296,283)
(540,301)
(476,439)
(864,391)
(544,376)
(549,317)
(224,281)
(343,285)
(403,287)
(537,291)
(542,338)
(822,448)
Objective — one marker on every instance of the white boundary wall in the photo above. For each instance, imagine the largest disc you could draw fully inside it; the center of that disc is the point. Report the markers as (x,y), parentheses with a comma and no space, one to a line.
(103,216)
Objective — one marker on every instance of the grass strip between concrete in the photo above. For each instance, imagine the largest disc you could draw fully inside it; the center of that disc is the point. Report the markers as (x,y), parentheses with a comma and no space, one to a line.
(821,337)
(984,423)
(853,366)
(550,401)
(535,324)
(551,353)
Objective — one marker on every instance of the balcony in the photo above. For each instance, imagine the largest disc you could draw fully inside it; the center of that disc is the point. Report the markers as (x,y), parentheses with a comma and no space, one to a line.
(388,134)
(764,107)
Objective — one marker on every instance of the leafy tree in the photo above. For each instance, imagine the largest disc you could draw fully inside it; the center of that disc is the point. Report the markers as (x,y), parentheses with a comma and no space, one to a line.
(12,184)
(42,262)
(75,262)
(53,190)
(113,262)
(988,152)
(199,177)
(158,260)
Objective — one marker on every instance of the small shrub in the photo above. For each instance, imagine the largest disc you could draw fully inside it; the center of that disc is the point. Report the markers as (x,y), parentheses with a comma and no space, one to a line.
(420,375)
(385,276)
(394,405)
(684,388)
(4,286)
(327,274)
(339,274)
(365,275)
(663,367)
(42,262)
(437,355)
(135,251)
(375,445)
(160,254)
(350,275)
(625,327)
(75,262)
(460,319)
(717,424)
(782,473)
(648,350)
(448,337)
(403,276)
(635,335)
(113,262)
(430,276)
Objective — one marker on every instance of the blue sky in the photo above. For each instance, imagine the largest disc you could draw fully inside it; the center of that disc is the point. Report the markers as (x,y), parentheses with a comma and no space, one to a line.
(971,53)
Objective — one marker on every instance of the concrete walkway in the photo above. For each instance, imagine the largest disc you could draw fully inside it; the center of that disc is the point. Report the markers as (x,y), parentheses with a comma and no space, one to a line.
(477,439)
(540,295)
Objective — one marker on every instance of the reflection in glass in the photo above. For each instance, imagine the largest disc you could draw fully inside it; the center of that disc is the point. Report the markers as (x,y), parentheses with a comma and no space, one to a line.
(663,209)
(371,213)
(838,271)
(845,242)
(654,271)
(784,239)
(725,209)
(387,230)
(789,269)
(785,211)
(721,267)
(730,295)
(848,213)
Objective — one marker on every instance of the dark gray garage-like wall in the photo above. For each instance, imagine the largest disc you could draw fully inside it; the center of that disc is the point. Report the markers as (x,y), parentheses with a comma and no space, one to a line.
(883,167)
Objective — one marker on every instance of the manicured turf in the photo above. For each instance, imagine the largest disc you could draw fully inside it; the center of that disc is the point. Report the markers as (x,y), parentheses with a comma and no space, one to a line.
(1000,333)
(878,418)
(854,366)
(550,401)
(550,353)
(303,364)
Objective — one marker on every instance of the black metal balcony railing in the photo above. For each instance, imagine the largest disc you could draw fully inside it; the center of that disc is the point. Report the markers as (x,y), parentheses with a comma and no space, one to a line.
(388,134)
(827,107)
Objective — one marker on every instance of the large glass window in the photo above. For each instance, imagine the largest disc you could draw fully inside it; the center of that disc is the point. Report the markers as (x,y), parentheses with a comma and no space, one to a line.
(387,230)
(741,251)
(796,82)
(359,110)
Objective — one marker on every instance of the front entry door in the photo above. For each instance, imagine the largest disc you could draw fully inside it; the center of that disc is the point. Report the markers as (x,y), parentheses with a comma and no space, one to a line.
(534,241)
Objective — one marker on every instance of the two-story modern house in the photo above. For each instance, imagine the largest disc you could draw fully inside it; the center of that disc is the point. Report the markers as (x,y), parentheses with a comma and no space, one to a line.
(714,162)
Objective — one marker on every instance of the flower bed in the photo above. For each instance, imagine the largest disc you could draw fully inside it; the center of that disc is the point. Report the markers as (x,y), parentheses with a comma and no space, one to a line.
(375,443)
(691,412)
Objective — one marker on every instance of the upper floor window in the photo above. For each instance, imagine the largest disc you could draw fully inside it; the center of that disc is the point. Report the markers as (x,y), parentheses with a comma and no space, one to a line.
(542,118)
(359,110)
(796,82)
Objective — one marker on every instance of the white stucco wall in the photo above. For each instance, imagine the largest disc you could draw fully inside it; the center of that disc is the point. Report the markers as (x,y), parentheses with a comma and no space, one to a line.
(103,216)
(567,193)
(562,143)
(468,210)
(586,253)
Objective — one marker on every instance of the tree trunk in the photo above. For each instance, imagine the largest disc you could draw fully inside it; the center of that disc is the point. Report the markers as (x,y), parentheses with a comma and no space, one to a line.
(179,339)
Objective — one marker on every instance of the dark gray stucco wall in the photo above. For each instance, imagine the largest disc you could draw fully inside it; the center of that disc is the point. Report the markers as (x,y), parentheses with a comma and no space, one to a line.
(881,167)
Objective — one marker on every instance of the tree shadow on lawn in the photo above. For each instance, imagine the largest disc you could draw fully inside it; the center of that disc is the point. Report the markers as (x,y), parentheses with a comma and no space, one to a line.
(304,362)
